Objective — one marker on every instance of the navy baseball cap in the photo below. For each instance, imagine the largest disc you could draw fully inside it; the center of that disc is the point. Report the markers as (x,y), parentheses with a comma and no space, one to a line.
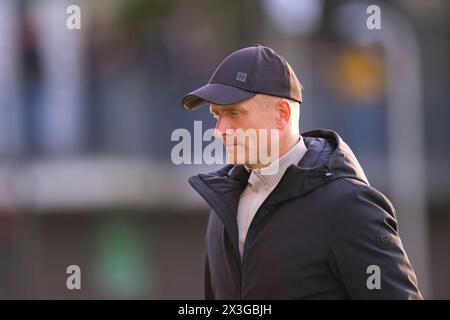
(245,73)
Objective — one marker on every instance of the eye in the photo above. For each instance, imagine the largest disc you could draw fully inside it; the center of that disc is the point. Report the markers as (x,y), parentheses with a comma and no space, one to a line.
(235,113)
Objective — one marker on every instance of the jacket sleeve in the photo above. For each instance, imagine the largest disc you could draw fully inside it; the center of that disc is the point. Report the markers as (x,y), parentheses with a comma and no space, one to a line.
(207,285)
(367,255)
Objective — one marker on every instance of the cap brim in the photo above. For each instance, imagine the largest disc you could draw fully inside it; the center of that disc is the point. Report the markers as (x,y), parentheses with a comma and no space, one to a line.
(215,93)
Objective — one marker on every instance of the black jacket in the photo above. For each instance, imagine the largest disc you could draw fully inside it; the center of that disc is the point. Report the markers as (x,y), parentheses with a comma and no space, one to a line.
(314,237)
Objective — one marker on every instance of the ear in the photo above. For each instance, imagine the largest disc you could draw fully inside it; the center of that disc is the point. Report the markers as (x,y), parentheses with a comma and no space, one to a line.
(284,113)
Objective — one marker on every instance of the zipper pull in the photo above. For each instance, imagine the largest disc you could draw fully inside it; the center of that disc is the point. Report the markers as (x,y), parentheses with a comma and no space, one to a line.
(327,174)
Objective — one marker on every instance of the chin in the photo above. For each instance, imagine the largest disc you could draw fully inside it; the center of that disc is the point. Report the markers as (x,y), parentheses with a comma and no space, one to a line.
(233,158)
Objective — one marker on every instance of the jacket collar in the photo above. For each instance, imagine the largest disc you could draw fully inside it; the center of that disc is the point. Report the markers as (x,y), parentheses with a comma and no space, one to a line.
(268,177)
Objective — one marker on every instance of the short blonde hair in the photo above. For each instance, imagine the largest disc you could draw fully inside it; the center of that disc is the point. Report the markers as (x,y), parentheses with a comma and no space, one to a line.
(270,101)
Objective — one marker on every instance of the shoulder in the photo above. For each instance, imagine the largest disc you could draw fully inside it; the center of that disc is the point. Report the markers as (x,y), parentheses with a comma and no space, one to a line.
(357,203)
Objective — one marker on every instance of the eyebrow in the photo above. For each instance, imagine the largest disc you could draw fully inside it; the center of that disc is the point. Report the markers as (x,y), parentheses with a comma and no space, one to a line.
(238,107)
(211,110)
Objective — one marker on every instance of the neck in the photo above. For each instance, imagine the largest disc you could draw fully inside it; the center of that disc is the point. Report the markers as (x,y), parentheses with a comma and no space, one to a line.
(289,143)
(285,145)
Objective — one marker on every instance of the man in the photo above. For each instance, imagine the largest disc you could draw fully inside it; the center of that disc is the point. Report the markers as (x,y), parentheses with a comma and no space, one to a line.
(304,225)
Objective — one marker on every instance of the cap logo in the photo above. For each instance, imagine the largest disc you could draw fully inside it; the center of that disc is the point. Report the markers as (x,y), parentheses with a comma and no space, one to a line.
(241,76)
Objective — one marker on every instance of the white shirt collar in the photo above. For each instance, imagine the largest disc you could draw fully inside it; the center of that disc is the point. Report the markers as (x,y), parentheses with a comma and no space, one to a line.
(261,178)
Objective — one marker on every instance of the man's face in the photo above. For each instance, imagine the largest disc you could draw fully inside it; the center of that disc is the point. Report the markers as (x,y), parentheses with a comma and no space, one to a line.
(245,127)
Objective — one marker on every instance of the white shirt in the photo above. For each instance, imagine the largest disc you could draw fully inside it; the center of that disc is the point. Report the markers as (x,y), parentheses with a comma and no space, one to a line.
(260,185)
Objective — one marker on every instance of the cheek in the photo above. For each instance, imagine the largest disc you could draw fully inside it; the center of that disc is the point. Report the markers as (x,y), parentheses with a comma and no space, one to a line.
(261,120)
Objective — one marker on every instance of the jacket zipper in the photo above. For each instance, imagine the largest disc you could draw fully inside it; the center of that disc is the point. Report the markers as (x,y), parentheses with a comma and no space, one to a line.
(263,206)
(252,223)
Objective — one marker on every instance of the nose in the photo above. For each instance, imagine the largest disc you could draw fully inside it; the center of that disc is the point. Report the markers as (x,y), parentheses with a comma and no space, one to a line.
(222,126)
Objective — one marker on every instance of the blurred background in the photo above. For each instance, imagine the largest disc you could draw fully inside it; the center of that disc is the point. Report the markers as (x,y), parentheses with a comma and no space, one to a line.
(86,117)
